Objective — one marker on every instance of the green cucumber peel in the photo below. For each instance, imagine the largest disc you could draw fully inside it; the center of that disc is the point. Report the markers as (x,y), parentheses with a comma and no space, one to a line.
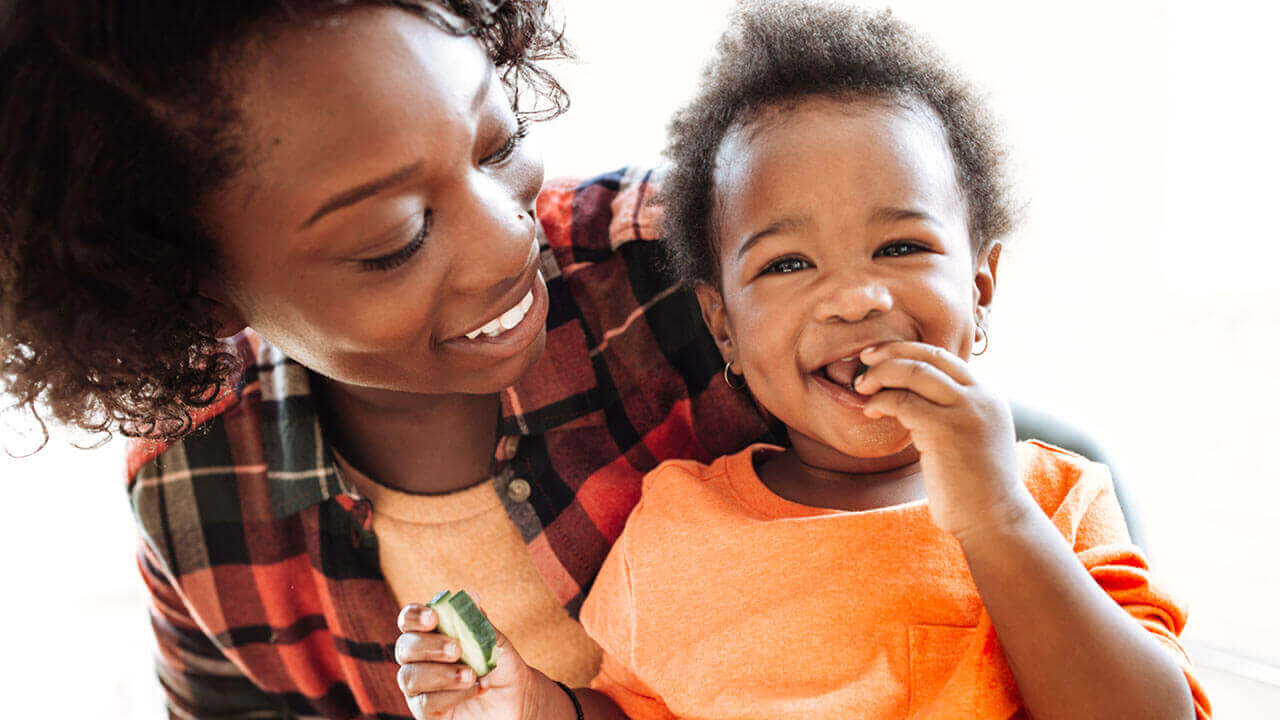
(862,369)
(460,618)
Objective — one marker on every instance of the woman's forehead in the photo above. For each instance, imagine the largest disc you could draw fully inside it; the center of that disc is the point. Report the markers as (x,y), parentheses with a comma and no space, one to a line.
(316,79)
(328,105)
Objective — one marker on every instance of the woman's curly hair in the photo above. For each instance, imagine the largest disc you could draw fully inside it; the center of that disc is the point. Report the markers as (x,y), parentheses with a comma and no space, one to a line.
(116,120)
(777,53)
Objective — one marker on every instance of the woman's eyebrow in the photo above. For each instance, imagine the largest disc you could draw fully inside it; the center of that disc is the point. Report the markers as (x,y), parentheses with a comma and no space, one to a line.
(354,195)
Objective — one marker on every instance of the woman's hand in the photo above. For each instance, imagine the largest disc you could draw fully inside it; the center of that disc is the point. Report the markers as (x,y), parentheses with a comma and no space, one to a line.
(438,686)
(963,431)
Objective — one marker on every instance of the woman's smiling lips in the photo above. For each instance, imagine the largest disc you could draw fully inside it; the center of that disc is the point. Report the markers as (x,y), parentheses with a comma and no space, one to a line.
(514,328)
(506,321)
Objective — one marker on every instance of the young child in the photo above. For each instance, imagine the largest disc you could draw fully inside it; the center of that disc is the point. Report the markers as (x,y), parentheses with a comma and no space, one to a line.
(837,200)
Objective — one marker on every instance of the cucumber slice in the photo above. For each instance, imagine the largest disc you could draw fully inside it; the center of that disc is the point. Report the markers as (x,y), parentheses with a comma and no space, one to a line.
(862,368)
(460,618)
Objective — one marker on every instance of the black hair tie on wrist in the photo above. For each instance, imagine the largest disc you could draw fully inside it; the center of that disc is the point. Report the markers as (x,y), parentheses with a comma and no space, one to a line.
(577,706)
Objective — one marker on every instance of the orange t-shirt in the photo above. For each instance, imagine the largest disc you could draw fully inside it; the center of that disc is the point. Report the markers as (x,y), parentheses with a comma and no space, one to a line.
(724,600)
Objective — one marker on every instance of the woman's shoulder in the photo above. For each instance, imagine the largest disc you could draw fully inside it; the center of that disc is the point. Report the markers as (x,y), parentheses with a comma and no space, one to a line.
(589,220)
(256,455)
(248,347)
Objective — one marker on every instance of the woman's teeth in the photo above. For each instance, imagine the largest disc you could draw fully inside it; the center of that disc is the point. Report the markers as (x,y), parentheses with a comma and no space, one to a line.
(506,320)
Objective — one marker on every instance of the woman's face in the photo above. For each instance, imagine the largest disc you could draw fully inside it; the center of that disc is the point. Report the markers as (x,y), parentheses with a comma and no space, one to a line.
(386,210)
(840,226)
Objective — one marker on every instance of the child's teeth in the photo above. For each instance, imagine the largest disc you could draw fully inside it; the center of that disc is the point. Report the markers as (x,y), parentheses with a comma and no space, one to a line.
(473,334)
(492,328)
(527,302)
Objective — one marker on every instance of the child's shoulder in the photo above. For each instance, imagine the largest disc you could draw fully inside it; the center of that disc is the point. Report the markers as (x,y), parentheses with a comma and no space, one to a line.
(1054,475)
(683,485)
(671,475)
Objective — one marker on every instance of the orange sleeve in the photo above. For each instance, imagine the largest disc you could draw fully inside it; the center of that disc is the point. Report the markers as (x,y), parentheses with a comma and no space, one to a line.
(608,614)
(630,694)
(1120,568)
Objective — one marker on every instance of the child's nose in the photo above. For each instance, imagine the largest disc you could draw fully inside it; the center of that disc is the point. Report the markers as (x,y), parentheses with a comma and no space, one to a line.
(845,300)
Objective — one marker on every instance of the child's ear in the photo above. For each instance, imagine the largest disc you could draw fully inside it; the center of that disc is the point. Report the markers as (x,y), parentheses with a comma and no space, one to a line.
(984,280)
(714,316)
(224,311)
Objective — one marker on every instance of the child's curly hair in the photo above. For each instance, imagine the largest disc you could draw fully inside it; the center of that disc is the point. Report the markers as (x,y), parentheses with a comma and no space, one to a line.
(777,53)
(115,121)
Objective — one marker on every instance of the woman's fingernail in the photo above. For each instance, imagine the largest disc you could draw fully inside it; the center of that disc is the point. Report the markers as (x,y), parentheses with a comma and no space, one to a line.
(464,675)
(450,650)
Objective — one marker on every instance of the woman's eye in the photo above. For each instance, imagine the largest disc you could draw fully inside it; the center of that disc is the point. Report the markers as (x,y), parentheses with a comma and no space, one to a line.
(898,248)
(787,265)
(404,254)
(513,142)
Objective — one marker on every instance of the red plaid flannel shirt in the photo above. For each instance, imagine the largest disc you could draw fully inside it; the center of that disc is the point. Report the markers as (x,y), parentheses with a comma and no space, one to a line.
(267,597)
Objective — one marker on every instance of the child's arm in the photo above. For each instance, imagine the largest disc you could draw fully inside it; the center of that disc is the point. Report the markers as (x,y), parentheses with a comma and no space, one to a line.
(439,687)
(1073,651)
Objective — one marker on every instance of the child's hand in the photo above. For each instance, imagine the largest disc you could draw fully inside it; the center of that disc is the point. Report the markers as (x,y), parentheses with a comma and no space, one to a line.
(963,431)
(438,686)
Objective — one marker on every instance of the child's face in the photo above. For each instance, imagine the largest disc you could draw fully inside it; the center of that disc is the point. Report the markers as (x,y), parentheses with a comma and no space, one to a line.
(840,226)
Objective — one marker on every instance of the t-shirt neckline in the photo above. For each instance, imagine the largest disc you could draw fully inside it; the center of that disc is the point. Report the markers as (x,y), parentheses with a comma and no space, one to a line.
(747,485)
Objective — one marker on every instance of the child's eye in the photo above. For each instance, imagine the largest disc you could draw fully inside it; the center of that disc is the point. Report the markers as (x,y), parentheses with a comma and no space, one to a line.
(786,265)
(898,248)
(513,142)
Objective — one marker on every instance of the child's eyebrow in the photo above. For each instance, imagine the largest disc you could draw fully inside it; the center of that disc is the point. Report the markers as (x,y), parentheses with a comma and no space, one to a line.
(887,215)
(790,223)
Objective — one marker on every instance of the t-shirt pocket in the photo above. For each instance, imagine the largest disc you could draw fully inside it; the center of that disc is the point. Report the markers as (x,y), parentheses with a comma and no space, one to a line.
(959,673)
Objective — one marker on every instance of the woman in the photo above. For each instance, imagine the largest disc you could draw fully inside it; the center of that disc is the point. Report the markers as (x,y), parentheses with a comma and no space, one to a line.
(453,377)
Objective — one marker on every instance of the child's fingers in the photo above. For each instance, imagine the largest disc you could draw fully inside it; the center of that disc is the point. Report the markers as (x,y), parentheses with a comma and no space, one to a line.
(416,617)
(945,360)
(430,677)
(430,706)
(412,647)
(917,376)
(907,407)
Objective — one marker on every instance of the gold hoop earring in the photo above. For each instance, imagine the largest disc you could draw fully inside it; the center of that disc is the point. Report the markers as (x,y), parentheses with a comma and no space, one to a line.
(729,382)
(986,341)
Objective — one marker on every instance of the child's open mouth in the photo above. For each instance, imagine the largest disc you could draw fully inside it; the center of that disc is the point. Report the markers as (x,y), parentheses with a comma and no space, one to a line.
(842,373)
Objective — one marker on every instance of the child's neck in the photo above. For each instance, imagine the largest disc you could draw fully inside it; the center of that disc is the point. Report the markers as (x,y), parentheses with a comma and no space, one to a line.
(855,484)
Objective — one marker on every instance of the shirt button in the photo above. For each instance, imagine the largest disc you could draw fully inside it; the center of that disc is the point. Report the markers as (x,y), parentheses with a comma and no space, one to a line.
(518,490)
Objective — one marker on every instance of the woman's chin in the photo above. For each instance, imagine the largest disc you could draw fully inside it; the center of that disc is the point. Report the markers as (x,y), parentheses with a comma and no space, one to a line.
(508,372)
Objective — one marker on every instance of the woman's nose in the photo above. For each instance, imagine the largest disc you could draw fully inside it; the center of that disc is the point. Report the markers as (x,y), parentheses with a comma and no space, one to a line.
(849,299)
(496,236)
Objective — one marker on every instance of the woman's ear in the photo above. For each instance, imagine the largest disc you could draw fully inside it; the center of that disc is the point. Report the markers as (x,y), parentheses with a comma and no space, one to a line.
(713,314)
(984,280)
(224,312)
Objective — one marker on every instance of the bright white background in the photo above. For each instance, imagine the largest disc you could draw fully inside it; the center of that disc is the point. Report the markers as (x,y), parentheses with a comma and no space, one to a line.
(1140,298)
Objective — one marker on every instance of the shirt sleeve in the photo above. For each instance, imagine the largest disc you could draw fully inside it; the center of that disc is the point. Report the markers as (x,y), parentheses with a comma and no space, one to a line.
(198,680)
(608,614)
(1120,568)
